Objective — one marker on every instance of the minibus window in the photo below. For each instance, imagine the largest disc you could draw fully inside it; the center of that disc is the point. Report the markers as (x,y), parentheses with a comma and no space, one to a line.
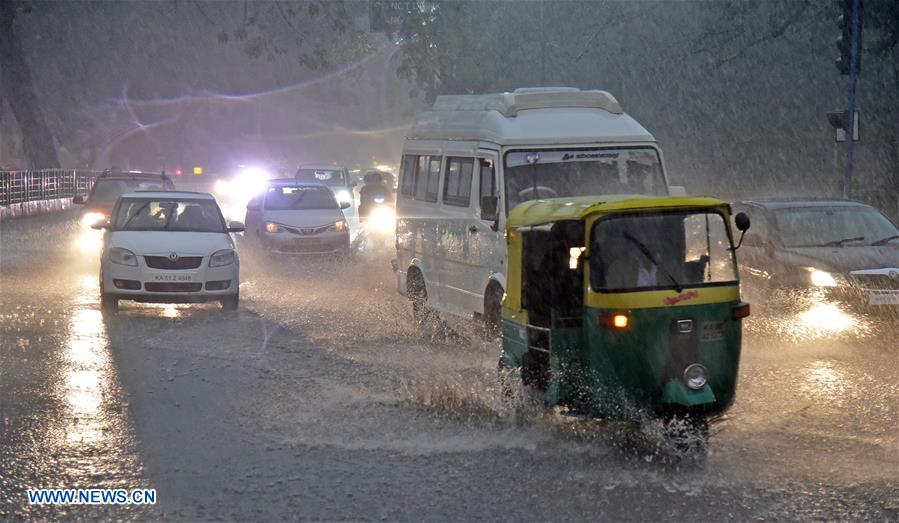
(433,179)
(409,162)
(488,178)
(457,187)
(421,178)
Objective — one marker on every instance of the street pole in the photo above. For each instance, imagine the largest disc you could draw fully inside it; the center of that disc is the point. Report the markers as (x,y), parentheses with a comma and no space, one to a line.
(853,83)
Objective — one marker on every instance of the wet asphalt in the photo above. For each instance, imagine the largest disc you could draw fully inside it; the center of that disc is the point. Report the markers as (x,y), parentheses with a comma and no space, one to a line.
(318,400)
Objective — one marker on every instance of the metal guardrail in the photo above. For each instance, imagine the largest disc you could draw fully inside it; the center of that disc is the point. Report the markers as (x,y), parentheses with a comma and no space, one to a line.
(47,184)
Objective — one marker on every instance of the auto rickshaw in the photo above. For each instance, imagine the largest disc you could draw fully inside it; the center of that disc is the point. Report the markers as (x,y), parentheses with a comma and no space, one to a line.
(622,305)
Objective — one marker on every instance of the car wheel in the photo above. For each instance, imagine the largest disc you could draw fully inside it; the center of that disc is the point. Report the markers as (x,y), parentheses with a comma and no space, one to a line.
(108,304)
(230,303)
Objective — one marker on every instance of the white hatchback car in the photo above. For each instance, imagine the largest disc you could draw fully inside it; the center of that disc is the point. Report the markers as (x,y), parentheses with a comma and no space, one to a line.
(168,247)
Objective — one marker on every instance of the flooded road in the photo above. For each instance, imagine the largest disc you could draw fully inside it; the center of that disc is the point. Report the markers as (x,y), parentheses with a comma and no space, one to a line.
(318,400)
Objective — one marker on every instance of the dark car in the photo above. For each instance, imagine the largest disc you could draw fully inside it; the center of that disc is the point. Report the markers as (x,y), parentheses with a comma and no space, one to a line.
(849,249)
(112,184)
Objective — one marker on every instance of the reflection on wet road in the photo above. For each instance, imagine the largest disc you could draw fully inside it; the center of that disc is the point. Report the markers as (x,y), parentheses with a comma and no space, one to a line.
(64,414)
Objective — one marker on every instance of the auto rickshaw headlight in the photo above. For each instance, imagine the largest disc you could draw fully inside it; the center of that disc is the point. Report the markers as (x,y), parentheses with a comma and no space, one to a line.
(696,376)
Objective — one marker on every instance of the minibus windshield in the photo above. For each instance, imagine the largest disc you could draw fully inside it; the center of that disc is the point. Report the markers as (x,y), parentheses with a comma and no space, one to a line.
(538,174)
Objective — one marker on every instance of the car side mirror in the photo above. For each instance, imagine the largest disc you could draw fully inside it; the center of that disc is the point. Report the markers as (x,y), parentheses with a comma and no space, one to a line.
(236,227)
(742,222)
(101,225)
(345,205)
(489,207)
(253,206)
(677,190)
(78,199)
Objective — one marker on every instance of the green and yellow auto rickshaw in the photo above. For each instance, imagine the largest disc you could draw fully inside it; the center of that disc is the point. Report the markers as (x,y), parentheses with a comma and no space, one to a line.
(622,305)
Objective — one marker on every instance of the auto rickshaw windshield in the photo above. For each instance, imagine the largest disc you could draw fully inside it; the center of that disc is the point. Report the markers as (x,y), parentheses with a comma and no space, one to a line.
(669,250)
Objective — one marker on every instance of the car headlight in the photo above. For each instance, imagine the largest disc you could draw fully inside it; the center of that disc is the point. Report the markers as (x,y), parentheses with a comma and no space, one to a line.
(91,218)
(273,227)
(825,279)
(222,258)
(338,226)
(122,256)
(343,196)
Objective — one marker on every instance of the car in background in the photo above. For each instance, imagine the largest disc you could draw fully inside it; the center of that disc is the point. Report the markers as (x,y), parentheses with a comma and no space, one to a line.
(338,179)
(110,185)
(292,216)
(168,247)
(848,249)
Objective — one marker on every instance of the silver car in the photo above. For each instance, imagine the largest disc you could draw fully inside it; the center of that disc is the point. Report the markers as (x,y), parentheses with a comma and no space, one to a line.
(293,217)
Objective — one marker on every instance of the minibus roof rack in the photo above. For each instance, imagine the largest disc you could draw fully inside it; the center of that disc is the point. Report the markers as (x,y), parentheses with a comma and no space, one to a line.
(509,104)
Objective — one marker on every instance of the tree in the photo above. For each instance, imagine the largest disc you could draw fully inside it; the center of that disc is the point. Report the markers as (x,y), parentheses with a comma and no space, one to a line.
(17,90)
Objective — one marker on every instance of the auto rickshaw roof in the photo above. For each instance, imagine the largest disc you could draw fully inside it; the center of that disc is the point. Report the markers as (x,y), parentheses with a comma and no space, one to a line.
(538,212)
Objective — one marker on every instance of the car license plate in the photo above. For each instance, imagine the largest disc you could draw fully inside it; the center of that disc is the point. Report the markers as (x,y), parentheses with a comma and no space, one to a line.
(307,241)
(883,298)
(172,277)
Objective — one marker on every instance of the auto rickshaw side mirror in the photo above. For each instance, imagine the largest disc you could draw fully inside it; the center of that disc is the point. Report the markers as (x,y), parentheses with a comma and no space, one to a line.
(489,208)
(742,222)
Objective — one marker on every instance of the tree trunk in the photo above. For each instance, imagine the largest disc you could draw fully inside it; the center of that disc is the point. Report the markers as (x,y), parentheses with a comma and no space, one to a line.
(15,82)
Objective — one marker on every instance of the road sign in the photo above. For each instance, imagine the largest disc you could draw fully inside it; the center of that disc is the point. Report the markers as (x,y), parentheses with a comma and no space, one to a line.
(840,122)
(388,16)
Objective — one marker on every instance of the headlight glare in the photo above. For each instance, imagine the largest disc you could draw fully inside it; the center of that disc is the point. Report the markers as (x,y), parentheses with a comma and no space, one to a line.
(273,227)
(122,256)
(825,279)
(343,196)
(91,218)
(222,258)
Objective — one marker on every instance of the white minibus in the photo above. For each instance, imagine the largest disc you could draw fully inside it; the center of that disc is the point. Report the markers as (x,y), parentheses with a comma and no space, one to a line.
(472,158)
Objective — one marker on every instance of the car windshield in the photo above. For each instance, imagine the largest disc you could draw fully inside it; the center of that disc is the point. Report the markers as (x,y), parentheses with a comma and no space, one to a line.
(110,190)
(282,198)
(661,251)
(536,174)
(151,214)
(329,177)
(832,226)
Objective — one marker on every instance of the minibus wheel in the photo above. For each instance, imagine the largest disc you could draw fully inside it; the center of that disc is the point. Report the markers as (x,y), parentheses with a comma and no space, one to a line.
(425,318)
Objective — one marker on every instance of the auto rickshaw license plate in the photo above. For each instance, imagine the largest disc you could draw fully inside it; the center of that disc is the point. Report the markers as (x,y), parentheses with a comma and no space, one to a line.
(883,298)
(307,241)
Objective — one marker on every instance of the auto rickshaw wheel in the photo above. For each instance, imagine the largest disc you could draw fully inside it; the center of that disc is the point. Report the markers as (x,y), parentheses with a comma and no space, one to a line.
(688,434)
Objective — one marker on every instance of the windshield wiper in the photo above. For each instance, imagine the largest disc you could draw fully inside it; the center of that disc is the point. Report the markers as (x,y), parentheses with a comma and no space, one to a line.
(839,243)
(884,241)
(133,216)
(645,250)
